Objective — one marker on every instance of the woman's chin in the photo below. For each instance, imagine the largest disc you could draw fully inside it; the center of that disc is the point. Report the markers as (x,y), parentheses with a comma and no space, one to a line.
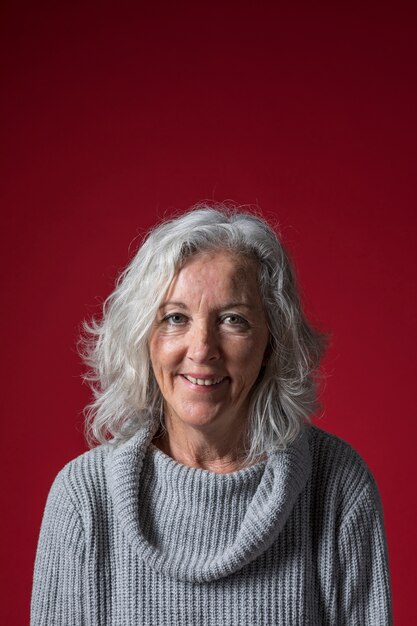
(202,419)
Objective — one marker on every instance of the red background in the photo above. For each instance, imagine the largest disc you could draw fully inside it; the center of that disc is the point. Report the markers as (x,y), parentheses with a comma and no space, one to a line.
(113,114)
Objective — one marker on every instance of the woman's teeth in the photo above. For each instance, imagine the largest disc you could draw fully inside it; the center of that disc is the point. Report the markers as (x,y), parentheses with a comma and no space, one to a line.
(203,381)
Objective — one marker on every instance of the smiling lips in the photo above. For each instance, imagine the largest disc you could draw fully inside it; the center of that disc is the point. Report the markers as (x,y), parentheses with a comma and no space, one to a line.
(204,382)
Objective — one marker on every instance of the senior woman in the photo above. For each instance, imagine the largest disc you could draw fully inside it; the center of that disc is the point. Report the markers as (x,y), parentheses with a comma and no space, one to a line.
(211,500)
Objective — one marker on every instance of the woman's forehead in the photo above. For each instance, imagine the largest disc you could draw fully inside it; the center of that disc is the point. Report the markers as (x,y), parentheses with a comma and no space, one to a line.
(238,261)
(217,273)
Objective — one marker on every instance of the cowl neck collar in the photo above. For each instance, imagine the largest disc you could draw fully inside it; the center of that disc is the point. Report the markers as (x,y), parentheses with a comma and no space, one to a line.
(194,525)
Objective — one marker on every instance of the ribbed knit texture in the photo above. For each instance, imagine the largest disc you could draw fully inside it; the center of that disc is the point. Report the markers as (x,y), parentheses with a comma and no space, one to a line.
(129,536)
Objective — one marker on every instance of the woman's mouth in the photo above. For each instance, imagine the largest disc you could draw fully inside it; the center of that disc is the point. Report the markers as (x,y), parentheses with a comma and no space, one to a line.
(203,382)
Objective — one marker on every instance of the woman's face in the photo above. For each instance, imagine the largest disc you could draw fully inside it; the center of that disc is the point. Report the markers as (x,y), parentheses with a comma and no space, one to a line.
(209,340)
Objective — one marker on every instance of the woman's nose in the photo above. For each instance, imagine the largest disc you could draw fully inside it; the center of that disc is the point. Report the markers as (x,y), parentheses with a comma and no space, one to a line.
(203,344)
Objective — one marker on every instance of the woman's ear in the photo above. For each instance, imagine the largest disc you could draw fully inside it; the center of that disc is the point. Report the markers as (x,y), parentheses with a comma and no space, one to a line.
(267,353)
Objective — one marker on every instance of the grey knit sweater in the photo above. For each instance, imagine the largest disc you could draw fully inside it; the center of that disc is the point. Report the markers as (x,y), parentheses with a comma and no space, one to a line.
(130,537)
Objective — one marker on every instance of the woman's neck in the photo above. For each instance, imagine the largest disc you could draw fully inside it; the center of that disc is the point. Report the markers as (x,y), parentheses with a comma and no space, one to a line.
(191,447)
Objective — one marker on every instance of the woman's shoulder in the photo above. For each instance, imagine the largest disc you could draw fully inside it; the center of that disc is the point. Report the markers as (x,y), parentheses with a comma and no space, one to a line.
(92,461)
(339,472)
(83,479)
(326,446)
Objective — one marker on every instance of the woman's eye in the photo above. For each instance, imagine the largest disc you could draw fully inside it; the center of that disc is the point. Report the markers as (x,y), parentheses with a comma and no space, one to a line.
(235,320)
(175,319)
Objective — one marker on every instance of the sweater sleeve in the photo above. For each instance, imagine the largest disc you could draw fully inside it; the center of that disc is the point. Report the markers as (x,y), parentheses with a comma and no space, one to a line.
(58,576)
(365,586)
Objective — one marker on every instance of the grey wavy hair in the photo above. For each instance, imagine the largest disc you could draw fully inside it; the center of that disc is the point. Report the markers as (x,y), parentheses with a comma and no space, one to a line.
(115,346)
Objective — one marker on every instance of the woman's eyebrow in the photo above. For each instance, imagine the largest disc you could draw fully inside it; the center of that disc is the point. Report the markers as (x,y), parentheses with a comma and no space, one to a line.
(229,305)
(180,305)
